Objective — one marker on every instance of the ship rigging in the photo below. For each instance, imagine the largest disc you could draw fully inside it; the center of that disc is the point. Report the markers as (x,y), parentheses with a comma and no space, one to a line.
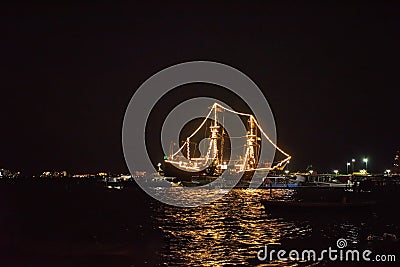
(213,163)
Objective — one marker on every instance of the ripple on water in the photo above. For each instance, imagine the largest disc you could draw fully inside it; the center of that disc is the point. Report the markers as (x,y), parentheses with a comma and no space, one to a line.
(230,230)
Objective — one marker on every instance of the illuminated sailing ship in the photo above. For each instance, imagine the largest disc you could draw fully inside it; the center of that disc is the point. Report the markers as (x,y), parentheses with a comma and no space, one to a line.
(201,170)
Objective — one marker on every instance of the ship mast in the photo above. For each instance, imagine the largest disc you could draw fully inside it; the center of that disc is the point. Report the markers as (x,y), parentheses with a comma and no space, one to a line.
(251,151)
(214,134)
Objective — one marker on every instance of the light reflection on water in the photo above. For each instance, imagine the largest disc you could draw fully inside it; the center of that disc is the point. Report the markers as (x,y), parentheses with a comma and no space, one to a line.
(229,231)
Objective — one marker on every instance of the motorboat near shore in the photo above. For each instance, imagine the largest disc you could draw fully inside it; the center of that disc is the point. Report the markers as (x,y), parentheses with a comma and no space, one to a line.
(152,181)
(360,193)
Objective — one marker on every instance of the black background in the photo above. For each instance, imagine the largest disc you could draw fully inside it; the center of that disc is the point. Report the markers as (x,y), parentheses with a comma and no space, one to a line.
(329,71)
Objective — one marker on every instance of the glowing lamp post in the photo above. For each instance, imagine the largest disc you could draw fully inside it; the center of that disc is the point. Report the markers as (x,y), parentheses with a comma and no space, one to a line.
(336,172)
(352,164)
(347,165)
(159,167)
(287,166)
(365,160)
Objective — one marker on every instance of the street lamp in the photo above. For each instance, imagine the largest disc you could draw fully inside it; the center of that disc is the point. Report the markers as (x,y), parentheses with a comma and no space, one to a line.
(347,165)
(352,162)
(336,171)
(366,164)
(388,172)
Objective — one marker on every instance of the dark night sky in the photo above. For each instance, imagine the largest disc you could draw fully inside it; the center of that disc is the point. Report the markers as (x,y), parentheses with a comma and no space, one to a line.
(329,71)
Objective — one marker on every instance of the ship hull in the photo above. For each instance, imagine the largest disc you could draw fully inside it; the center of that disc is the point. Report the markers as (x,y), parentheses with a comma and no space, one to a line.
(205,176)
(169,170)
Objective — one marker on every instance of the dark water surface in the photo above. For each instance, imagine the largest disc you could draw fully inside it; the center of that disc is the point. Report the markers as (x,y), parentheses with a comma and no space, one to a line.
(70,223)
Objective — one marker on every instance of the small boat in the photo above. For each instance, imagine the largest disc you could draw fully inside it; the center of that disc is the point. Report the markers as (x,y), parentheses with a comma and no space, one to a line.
(278,182)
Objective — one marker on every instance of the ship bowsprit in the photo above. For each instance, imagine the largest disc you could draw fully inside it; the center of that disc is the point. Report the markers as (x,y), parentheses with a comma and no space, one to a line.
(193,170)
